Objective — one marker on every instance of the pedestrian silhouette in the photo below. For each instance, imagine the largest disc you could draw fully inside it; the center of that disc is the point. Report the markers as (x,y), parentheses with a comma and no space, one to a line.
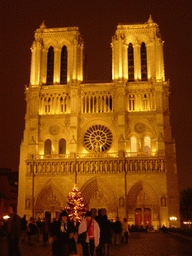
(13,232)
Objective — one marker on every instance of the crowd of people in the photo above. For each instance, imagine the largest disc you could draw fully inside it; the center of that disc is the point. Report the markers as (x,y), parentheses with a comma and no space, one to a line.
(63,233)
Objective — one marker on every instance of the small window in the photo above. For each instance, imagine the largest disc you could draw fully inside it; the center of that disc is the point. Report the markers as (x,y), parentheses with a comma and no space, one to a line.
(62,146)
(61,104)
(47,149)
(133,144)
(131,102)
(145,102)
(147,144)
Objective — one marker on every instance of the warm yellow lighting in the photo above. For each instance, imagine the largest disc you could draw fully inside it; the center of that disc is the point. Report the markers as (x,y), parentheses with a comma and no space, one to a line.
(6,217)
(187,222)
(41,152)
(173,218)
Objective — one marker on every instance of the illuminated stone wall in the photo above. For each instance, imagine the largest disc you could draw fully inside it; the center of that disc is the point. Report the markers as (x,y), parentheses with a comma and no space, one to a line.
(113,139)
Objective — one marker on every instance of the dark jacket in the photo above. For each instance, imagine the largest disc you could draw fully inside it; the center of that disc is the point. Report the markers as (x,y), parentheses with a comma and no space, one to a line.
(62,237)
(104,227)
(32,229)
(14,226)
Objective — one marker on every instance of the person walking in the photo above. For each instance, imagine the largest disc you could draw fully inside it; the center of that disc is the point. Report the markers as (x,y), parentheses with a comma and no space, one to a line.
(93,234)
(125,231)
(13,232)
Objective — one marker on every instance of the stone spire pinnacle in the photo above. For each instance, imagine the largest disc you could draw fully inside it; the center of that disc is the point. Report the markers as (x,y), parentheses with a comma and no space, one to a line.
(42,26)
(150,21)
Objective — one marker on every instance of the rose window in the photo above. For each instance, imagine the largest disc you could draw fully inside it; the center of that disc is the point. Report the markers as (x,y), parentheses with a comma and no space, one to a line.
(98,138)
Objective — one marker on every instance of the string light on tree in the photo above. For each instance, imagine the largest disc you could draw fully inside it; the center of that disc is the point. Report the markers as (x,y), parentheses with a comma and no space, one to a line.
(76,207)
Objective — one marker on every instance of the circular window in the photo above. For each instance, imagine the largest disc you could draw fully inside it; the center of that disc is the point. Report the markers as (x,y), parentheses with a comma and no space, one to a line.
(98,138)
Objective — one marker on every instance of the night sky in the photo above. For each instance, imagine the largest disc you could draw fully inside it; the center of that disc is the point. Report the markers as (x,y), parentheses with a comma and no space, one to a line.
(97,21)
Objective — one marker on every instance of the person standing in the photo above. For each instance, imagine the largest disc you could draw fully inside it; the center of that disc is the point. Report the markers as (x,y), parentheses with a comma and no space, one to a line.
(125,231)
(45,230)
(39,228)
(117,230)
(13,232)
(62,231)
(104,226)
(93,234)
(32,231)
(24,228)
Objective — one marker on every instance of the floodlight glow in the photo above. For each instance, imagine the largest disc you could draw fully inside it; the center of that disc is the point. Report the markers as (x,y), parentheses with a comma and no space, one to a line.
(6,217)
(173,218)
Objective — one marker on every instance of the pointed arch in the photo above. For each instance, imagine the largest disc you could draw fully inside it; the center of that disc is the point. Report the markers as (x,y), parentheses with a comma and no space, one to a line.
(149,196)
(64,56)
(133,144)
(62,146)
(98,194)
(50,65)
(143,62)
(147,144)
(50,199)
(47,147)
(130,62)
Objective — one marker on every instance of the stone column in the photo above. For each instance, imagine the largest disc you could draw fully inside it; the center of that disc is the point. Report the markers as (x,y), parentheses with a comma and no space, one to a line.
(57,65)
(33,50)
(137,61)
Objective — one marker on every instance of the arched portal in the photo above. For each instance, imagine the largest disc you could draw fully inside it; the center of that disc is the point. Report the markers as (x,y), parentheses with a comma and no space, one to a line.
(143,205)
(49,202)
(97,194)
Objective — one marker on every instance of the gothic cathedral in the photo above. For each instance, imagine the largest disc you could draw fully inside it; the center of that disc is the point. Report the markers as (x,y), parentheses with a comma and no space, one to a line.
(113,139)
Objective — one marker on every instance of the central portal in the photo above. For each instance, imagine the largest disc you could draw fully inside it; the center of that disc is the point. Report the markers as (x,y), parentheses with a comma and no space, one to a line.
(143,217)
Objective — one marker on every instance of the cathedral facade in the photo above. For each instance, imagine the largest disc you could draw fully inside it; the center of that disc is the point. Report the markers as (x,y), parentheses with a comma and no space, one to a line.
(113,139)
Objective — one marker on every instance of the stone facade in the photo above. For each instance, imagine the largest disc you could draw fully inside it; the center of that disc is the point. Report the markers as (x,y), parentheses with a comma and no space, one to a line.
(112,139)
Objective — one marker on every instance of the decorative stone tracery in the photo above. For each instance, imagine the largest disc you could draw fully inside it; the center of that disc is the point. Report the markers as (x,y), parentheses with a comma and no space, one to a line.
(98,138)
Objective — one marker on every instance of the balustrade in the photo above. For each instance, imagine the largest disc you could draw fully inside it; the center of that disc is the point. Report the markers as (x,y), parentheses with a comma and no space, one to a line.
(104,166)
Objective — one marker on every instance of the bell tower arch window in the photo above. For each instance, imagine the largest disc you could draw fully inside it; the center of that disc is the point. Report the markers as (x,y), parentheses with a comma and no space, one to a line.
(130,63)
(63,78)
(47,147)
(143,62)
(62,146)
(50,65)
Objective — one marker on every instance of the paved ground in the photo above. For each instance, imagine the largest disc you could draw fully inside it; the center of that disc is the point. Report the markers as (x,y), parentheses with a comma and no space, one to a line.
(139,244)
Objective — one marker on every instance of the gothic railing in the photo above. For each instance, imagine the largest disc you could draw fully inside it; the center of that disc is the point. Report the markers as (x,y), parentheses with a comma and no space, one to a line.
(52,156)
(97,166)
(96,155)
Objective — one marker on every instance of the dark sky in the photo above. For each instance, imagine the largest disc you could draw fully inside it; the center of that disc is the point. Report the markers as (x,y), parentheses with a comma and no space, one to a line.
(97,21)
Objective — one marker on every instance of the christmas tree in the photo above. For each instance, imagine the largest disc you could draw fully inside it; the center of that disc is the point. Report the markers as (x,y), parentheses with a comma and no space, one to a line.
(76,205)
